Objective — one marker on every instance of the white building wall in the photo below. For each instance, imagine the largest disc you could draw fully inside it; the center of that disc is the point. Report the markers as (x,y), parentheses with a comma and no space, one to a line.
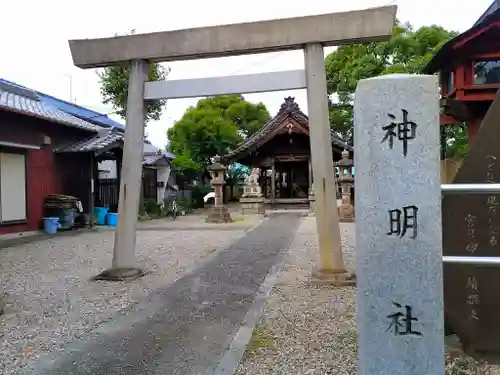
(107,169)
(162,175)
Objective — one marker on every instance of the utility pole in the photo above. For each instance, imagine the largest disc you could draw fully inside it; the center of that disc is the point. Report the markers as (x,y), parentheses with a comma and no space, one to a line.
(70,87)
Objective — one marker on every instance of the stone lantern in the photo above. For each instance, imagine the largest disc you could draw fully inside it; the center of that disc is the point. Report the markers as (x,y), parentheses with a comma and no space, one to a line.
(219,212)
(346,181)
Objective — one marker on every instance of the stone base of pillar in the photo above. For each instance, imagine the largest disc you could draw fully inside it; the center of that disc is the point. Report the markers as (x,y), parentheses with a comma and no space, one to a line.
(218,215)
(252,206)
(119,274)
(346,213)
(339,278)
(312,203)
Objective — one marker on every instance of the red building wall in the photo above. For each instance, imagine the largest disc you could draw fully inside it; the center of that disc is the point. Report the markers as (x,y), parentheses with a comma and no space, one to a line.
(43,176)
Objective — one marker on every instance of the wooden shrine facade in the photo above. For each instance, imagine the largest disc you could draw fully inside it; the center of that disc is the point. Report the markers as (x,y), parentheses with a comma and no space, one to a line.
(281,151)
(469,70)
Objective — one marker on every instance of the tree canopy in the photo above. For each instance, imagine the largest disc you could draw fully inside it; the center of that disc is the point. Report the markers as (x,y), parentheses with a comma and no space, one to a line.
(213,127)
(408,51)
(114,88)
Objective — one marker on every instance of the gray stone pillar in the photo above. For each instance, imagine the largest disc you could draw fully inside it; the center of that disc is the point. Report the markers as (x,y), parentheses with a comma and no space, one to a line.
(332,262)
(124,264)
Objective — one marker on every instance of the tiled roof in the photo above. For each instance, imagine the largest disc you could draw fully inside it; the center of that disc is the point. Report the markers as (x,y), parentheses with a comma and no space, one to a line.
(86,114)
(18,99)
(449,52)
(491,9)
(288,109)
(106,138)
(96,143)
(73,109)
(152,159)
(149,148)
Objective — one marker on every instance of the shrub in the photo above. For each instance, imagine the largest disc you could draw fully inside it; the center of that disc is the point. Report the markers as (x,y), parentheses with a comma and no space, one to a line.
(152,208)
(198,193)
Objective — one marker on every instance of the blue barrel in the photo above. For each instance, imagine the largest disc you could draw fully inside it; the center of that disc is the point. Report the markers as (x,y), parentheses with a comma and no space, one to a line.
(50,224)
(112,219)
(67,220)
(100,214)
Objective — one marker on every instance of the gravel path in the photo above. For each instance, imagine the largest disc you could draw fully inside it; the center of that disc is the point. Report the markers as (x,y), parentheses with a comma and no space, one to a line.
(311,330)
(305,329)
(183,328)
(50,300)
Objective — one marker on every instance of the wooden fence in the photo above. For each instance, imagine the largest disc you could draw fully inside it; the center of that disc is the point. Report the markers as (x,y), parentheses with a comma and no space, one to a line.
(107,193)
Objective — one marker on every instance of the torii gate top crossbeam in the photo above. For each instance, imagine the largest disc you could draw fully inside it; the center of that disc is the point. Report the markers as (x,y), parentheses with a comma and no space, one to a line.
(238,39)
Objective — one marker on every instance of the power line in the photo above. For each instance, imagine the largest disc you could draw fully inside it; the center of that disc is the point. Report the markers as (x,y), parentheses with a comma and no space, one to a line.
(269,58)
(266,59)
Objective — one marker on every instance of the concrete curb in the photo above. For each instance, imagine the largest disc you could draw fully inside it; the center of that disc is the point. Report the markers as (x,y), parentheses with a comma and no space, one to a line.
(233,355)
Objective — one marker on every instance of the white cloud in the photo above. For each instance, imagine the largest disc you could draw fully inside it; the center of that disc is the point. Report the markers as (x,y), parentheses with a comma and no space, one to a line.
(35,49)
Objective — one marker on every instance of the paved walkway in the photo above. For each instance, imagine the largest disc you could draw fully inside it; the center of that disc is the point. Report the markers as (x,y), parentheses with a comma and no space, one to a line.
(186,327)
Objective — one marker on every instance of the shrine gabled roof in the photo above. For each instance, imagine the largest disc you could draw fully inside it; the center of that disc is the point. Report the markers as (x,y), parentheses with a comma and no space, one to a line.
(491,9)
(451,49)
(289,109)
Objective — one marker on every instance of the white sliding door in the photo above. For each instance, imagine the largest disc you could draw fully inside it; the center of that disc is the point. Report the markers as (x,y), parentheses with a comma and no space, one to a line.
(12,187)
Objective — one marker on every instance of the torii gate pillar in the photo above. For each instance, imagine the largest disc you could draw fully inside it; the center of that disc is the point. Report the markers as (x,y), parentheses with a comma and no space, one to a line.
(310,33)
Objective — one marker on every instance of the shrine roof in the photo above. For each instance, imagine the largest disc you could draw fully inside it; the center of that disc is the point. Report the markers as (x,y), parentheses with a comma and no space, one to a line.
(454,47)
(491,9)
(289,109)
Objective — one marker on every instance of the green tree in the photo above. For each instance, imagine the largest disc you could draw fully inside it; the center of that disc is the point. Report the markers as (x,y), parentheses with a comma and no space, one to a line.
(456,140)
(114,88)
(215,126)
(235,173)
(408,51)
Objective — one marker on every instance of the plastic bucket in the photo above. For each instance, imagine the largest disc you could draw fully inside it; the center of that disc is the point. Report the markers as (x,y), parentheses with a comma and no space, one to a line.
(51,224)
(100,214)
(67,221)
(112,219)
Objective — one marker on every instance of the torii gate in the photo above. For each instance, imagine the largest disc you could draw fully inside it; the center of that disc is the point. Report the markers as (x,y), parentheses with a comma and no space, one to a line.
(309,33)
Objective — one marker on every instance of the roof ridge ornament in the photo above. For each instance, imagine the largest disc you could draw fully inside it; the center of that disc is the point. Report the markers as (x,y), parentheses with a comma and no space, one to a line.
(289,105)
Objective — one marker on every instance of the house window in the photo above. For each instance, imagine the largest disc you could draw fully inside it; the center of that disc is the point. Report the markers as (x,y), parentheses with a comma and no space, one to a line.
(12,187)
(487,72)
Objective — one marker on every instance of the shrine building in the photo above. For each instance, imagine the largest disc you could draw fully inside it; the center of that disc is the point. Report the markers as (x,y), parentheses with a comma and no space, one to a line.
(280,150)
(469,72)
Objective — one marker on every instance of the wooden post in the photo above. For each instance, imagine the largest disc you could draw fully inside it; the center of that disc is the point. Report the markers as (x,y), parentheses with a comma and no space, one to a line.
(273,183)
(94,182)
(118,161)
(310,174)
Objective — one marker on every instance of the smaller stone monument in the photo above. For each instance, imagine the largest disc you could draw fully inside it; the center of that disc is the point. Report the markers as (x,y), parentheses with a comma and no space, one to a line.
(312,201)
(252,200)
(219,212)
(346,181)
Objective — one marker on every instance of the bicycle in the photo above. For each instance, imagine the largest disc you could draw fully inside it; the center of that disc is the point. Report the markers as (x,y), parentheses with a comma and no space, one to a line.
(172,209)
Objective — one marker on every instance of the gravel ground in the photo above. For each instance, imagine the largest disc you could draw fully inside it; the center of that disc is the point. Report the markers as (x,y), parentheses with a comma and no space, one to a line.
(51,300)
(311,330)
(305,329)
